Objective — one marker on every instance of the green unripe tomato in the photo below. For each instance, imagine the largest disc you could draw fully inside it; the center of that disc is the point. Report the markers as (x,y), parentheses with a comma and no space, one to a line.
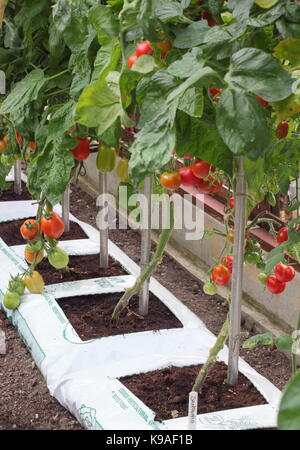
(58,258)
(210,288)
(251,258)
(262,277)
(11,300)
(261,265)
(16,285)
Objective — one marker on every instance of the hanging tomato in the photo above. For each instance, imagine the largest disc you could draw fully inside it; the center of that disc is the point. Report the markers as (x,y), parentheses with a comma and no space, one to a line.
(106,159)
(82,151)
(122,169)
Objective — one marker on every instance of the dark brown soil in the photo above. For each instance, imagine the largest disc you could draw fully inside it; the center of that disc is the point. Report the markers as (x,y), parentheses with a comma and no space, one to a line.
(10,232)
(166,391)
(9,195)
(91,316)
(79,268)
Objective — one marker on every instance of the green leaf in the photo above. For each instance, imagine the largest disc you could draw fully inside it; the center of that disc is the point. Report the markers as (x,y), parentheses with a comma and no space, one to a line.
(102,18)
(192,102)
(289,409)
(284,342)
(24,91)
(242,123)
(257,72)
(172,10)
(200,33)
(144,64)
(107,60)
(274,257)
(267,17)
(259,339)
(98,106)
(189,63)
(154,144)
(50,171)
(61,121)
(288,30)
(289,49)
(201,138)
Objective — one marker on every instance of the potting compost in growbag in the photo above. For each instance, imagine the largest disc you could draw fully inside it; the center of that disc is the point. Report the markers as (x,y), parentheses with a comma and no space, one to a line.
(83,375)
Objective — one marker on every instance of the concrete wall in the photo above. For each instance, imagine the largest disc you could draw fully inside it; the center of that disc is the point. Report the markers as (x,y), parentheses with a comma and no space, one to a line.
(282,310)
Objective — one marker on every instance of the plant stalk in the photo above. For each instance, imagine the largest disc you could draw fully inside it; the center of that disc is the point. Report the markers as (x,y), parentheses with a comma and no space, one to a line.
(148,270)
(213,353)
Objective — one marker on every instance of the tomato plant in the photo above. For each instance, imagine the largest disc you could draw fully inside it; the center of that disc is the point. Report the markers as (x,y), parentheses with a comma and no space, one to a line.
(211,185)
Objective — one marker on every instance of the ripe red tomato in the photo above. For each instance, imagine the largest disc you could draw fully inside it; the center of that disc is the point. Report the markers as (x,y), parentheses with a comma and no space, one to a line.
(282,235)
(82,150)
(201,168)
(284,273)
(29,229)
(144,48)
(227,261)
(131,60)
(275,286)
(214,92)
(187,176)
(171,180)
(52,225)
(2,146)
(32,146)
(19,139)
(262,101)
(221,275)
(210,186)
(231,203)
(282,130)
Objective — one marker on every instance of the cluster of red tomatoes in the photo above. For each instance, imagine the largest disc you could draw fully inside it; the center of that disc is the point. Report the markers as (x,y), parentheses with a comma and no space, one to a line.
(200,174)
(276,283)
(52,227)
(144,48)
